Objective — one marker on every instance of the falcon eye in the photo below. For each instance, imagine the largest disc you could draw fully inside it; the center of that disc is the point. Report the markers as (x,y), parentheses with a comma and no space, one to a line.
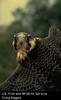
(28,36)
(14,42)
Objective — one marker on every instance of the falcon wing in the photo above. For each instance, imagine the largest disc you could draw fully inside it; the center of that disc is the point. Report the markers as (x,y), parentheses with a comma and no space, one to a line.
(53,40)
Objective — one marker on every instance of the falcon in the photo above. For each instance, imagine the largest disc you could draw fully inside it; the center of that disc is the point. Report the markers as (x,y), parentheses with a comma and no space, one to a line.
(39,61)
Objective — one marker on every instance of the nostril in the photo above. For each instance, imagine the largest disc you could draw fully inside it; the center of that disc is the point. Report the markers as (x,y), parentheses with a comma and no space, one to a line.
(29,45)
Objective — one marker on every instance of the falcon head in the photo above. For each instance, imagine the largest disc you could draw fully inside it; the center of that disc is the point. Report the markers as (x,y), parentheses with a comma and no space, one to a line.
(23,44)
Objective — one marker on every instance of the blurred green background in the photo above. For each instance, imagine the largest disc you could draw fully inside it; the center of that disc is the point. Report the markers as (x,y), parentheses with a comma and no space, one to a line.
(33,16)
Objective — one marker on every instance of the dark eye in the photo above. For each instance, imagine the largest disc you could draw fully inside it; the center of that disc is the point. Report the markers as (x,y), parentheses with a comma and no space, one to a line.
(28,36)
(14,42)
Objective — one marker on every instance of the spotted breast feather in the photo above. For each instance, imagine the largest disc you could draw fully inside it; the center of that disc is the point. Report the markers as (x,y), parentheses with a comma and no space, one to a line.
(41,68)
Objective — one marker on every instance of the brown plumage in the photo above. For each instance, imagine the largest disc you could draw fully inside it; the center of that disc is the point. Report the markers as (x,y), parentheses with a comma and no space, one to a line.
(40,67)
